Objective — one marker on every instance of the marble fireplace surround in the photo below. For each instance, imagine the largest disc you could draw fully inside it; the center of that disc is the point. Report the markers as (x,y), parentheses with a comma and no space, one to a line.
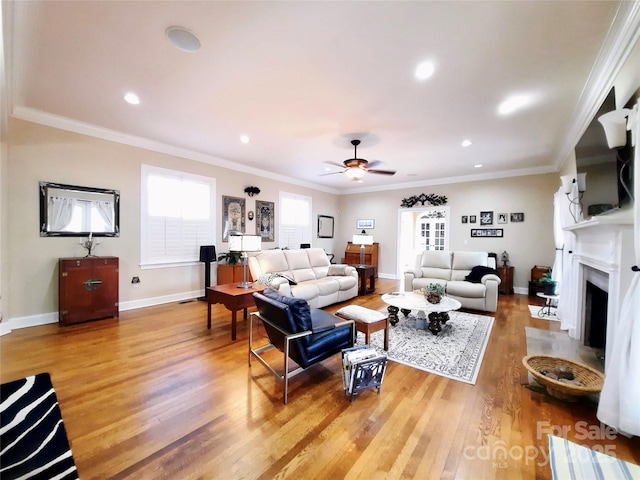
(602,255)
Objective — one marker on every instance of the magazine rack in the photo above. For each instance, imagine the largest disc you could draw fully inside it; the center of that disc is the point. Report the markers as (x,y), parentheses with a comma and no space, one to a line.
(363,368)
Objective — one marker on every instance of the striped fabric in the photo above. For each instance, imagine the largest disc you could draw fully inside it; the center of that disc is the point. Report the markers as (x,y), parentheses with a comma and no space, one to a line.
(33,440)
(570,461)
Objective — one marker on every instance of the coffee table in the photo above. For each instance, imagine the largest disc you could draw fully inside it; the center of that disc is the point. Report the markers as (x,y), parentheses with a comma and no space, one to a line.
(438,313)
(234,298)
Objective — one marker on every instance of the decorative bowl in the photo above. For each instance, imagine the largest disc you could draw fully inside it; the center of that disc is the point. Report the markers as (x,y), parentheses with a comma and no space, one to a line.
(589,380)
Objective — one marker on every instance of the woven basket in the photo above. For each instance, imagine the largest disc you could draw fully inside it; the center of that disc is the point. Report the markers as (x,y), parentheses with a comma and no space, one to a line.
(591,379)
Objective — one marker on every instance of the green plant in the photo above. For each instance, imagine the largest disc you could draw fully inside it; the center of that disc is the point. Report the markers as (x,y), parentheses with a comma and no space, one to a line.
(231,258)
(436,288)
(546,278)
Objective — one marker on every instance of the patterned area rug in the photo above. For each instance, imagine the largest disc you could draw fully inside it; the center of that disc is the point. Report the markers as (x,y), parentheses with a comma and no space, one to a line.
(32,435)
(570,461)
(456,352)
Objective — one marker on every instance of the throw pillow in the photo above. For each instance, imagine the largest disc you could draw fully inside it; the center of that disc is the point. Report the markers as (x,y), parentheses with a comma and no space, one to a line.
(476,274)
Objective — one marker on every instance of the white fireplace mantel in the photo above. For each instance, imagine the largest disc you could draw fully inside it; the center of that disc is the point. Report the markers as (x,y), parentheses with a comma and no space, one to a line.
(603,244)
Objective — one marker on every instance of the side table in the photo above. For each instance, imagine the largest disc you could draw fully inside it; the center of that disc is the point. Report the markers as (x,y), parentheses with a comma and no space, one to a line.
(506,280)
(550,301)
(234,299)
(367,276)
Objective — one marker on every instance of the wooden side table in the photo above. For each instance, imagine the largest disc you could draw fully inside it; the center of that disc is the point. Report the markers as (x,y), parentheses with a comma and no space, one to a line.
(233,298)
(506,280)
(367,276)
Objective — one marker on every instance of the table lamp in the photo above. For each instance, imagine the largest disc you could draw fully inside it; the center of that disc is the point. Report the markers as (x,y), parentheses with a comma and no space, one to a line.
(362,240)
(244,244)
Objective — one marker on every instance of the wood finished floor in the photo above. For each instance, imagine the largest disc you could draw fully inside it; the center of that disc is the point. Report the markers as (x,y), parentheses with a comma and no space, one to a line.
(157,395)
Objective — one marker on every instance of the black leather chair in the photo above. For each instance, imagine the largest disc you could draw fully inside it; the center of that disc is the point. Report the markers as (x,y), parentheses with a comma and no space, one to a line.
(306,336)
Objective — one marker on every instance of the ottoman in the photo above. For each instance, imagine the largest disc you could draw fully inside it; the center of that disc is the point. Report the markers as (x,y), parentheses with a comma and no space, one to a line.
(367,321)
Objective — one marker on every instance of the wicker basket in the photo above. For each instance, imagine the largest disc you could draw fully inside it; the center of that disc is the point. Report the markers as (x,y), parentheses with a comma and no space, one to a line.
(590,378)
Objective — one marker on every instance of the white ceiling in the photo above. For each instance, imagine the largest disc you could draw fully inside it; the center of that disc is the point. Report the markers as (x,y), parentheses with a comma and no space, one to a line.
(304,78)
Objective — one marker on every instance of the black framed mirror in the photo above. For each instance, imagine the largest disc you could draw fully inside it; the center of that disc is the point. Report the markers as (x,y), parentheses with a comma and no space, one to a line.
(325,226)
(75,211)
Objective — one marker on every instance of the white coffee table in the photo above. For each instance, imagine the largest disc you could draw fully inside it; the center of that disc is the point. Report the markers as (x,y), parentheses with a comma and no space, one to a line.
(438,313)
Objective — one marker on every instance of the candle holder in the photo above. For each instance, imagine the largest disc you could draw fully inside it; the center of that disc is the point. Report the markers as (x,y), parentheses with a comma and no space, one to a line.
(89,244)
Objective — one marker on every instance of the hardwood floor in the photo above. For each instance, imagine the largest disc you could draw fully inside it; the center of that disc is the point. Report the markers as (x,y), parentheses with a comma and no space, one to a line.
(157,395)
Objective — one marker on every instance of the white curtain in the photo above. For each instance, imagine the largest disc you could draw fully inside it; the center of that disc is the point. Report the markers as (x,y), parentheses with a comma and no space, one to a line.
(620,397)
(60,213)
(106,212)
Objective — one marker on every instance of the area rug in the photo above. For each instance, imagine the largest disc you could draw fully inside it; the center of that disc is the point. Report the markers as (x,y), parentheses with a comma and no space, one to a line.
(456,352)
(569,460)
(33,439)
(534,310)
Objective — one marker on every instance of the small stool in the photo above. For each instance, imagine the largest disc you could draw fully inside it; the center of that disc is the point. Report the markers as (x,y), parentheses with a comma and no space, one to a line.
(367,321)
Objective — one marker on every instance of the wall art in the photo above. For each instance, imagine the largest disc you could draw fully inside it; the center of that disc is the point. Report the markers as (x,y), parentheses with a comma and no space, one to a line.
(486,218)
(232,216)
(465,219)
(325,226)
(487,232)
(472,219)
(265,213)
(365,224)
(502,218)
(517,217)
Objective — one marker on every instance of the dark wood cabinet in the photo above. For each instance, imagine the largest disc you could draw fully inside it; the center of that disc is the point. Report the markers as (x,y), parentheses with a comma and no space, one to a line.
(506,277)
(231,274)
(88,289)
(352,255)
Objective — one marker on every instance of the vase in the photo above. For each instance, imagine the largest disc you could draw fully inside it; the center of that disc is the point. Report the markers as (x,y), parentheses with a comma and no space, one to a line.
(433,297)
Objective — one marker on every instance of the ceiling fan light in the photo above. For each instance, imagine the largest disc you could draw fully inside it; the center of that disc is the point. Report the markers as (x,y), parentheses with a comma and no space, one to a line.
(354,173)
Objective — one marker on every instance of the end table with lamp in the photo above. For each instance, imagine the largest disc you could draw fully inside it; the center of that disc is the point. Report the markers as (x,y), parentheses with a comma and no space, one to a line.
(244,244)
(505,272)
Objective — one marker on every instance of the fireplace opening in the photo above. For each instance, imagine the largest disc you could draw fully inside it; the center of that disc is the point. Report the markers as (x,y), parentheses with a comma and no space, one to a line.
(596,304)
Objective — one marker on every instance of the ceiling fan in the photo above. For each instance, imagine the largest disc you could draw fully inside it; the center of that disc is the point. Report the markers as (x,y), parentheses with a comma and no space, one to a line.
(355,167)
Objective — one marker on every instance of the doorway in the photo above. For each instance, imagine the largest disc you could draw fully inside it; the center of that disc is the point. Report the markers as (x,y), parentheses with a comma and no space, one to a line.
(425,228)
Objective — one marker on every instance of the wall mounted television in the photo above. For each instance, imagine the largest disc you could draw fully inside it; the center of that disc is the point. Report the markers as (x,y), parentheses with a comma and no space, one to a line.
(609,180)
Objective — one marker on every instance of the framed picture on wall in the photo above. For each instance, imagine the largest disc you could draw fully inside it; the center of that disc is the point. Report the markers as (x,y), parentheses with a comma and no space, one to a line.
(517,217)
(232,216)
(265,213)
(487,232)
(502,218)
(369,223)
(465,219)
(325,226)
(472,219)
(486,218)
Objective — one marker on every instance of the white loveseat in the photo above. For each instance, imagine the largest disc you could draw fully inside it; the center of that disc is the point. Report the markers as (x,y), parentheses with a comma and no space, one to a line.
(318,281)
(450,269)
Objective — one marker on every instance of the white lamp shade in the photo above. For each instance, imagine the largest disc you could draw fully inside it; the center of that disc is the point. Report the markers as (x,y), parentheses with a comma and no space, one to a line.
(566,180)
(362,240)
(354,173)
(615,127)
(245,243)
(582,182)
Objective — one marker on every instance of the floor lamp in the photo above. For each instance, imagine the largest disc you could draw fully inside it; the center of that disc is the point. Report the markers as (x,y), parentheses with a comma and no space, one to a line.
(244,244)
(362,240)
(207,255)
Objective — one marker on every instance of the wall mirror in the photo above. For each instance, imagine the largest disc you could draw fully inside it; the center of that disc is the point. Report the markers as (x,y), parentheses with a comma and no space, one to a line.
(73,211)
(325,226)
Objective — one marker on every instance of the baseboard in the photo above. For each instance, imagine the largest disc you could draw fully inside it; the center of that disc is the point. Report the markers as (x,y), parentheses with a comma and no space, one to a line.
(8,325)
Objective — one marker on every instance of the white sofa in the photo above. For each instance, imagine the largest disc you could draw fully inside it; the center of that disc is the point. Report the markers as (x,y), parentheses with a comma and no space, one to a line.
(450,269)
(318,281)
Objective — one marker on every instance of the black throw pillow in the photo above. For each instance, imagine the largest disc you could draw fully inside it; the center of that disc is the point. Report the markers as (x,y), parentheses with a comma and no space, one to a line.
(476,274)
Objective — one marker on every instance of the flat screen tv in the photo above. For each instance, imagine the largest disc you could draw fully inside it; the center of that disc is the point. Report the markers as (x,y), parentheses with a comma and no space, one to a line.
(609,180)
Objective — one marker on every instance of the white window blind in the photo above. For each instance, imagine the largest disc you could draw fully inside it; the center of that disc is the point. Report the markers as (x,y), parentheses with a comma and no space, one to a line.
(177,216)
(295,220)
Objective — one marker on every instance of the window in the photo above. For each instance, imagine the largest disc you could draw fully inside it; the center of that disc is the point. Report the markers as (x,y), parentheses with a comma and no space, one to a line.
(177,216)
(295,220)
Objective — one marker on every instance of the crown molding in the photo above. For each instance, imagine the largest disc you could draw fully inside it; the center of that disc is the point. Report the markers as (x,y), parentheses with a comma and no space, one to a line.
(622,36)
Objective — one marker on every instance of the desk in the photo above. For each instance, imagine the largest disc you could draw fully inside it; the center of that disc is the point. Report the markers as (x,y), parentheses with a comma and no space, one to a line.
(366,272)
(233,298)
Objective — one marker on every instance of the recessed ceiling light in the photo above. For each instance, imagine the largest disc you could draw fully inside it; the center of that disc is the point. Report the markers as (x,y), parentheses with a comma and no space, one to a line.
(479,165)
(132,98)
(244,139)
(466,143)
(511,104)
(183,39)
(327,169)
(424,70)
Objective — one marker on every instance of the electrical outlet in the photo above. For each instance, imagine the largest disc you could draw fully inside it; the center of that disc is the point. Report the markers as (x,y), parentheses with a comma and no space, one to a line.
(135,280)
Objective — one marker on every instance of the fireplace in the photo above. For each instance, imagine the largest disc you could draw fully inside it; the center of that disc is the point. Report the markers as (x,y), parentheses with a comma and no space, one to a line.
(595,319)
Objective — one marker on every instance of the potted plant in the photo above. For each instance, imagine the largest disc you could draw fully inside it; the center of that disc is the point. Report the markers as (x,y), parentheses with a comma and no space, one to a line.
(433,292)
(230,258)
(550,285)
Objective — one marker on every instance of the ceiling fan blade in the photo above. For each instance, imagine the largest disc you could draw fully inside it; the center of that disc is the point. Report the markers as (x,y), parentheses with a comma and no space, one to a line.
(332,173)
(335,164)
(382,172)
(373,164)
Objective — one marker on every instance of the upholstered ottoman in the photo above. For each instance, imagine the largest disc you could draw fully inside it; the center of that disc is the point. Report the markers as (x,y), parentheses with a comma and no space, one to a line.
(367,321)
